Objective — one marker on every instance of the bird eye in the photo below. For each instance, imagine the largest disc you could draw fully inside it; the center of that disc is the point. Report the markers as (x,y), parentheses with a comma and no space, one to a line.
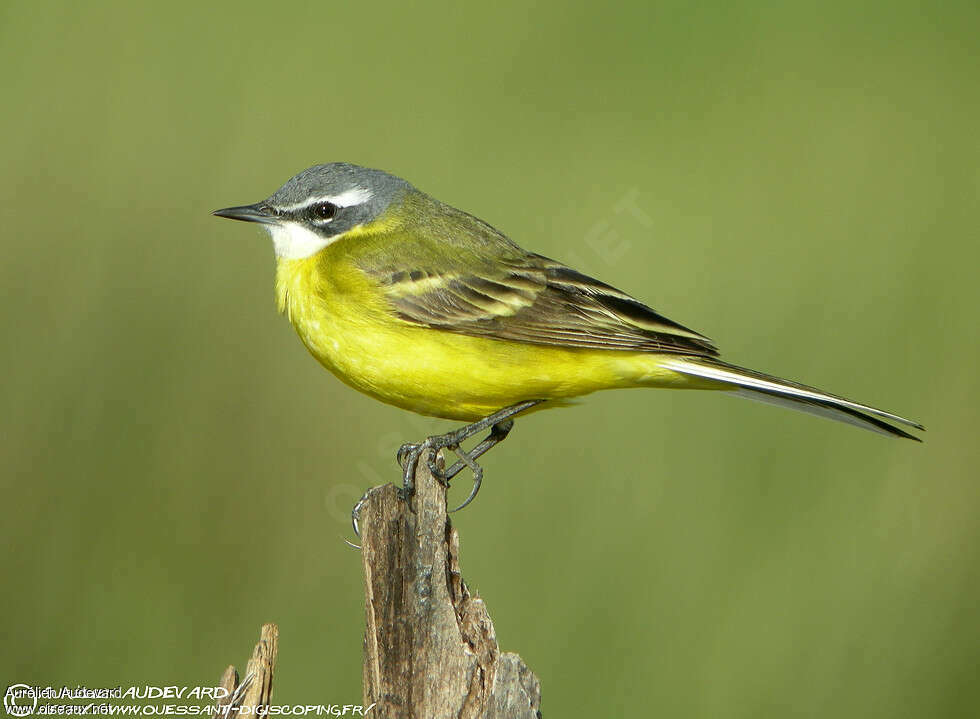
(324,211)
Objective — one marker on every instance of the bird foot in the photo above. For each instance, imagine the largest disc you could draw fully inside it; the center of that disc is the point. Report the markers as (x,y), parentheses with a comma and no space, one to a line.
(499,424)
(410,453)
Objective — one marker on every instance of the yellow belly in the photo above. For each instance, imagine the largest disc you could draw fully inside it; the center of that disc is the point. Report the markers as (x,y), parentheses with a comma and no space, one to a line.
(340,318)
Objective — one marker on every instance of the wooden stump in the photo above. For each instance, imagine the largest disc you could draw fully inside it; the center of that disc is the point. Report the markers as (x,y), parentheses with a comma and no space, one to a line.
(254,693)
(429,645)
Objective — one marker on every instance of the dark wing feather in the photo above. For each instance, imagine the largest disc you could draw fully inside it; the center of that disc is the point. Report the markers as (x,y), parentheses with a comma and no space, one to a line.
(539,301)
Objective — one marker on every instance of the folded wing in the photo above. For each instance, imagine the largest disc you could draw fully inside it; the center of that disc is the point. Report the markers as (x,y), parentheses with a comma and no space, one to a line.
(536,300)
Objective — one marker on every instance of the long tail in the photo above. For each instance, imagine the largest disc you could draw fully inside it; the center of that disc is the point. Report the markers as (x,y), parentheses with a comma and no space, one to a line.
(773,390)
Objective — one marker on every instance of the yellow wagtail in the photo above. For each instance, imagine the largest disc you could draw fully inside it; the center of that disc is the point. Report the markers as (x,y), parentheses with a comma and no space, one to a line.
(428,308)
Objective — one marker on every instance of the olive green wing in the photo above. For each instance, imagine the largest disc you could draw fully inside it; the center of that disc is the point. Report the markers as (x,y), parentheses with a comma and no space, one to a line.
(535,300)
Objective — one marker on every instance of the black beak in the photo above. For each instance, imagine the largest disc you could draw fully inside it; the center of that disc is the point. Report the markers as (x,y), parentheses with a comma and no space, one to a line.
(258,212)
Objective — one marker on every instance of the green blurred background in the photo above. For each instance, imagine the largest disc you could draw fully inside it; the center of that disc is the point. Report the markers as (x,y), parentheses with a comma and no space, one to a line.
(799,182)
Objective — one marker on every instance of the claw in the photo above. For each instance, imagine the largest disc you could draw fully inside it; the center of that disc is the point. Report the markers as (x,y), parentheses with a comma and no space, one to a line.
(477,471)
(477,483)
(404,452)
(355,514)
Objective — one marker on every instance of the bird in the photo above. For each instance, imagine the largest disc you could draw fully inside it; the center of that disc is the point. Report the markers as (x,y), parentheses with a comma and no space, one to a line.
(429,308)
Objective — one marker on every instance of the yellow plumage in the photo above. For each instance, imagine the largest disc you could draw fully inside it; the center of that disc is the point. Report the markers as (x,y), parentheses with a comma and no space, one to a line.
(341,316)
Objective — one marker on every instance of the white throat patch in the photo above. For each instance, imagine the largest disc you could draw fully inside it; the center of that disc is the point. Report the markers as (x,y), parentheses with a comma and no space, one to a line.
(293,241)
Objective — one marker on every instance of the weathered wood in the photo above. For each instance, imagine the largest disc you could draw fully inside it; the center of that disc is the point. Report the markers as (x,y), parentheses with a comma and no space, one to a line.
(430,650)
(255,690)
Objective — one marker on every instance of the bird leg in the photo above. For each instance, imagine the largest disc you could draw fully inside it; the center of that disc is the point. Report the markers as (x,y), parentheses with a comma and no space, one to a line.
(499,423)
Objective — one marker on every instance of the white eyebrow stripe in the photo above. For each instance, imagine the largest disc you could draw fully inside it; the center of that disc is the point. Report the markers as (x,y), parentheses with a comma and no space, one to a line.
(357,196)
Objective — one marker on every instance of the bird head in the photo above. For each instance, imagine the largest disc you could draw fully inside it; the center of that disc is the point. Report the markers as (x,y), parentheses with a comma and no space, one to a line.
(322,204)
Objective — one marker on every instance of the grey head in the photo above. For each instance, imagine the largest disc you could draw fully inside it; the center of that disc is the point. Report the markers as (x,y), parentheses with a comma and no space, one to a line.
(320,204)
